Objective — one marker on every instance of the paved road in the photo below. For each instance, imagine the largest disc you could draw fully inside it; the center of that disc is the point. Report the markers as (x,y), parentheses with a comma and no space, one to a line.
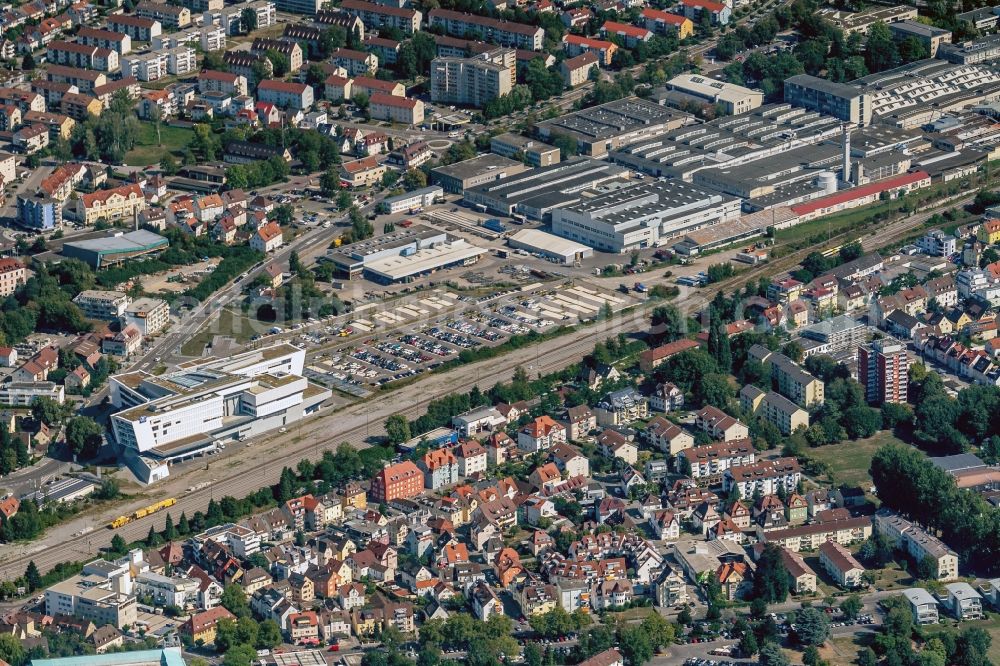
(246,469)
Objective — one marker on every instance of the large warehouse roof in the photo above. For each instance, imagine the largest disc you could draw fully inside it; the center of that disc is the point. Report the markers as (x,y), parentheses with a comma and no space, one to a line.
(547,243)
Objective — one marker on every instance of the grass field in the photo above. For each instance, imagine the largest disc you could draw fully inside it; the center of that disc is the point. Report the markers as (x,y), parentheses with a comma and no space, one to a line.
(849,461)
(230,323)
(147,151)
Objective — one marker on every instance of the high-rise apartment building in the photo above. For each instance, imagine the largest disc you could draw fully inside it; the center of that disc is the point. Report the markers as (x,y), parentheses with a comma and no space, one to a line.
(473,81)
(883,371)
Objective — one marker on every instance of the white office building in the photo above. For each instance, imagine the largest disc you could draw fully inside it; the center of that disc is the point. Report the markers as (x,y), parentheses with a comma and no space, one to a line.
(193,409)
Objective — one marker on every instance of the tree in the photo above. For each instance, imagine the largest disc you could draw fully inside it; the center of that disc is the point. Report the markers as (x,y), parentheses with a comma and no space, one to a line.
(414,179)
(851,606)
(668,323)
(566,144)
(33,577)
(748,644)
(240,655)
(881,52)
(867,657)
(169,531)
(812,626)
(770,654)
(234,600)
(861,421)
(84,436)
(771,582)
(118,545)
(28,62)
(46,410)
(12,651)
(718,342)
(268,635)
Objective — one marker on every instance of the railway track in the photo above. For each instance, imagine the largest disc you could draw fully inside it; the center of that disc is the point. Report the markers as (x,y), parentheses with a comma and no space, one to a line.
(234,477)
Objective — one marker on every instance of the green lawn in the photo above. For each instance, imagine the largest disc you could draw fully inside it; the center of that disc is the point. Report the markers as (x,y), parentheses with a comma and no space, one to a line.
(849,461)
(147,151)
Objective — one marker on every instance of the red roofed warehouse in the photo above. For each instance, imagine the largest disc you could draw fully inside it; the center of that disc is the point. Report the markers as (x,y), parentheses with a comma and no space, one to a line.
(860,196)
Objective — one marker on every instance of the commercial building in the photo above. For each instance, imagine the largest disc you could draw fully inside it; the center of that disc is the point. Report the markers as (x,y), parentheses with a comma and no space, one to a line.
(533,152)
(607,127)
(149,315)
(891,188)
(102,593)
(536,192)
(859,22)
(930,36)
(170,656)
(471,81)
(840,333)
(460,176)
(559,249)
(505,33)
(402,255)
(102,252)
(899,96)
(187,411)
(114,204)
(731,98)
(974,51)
(640,215)
(102,305)
(425,196)
(883,371)
(839,100)
(176,591)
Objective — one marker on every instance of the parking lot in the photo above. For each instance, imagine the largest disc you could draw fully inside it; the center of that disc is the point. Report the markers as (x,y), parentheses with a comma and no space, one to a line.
(376,346)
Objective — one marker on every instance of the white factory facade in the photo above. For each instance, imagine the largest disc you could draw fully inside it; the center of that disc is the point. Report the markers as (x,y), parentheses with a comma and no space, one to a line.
(639,216)
(198,407)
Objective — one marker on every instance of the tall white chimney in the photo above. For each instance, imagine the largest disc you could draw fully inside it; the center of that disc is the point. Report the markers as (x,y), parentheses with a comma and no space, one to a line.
(846,169)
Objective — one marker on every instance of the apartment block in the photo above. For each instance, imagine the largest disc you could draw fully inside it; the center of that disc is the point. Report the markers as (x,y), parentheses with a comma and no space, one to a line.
(505,33)
(840,564)
(918,543)
(472,81)
(883,371)
(102,305)
(376,16)
(137,27)
(149,315)
(396,109)
(769,477)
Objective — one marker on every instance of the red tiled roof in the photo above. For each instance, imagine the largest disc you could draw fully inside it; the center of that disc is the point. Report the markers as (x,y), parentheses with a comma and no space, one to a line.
(393,100)
(625,29)
(858,192)
(660,15)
